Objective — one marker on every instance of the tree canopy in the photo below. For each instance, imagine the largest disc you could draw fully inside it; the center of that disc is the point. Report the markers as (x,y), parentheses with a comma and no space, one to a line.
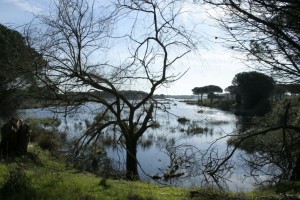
(254,88)
(80,46)
(209,90)
(293,88)
(232,89)
(199,91)
(18,64)
(213,89)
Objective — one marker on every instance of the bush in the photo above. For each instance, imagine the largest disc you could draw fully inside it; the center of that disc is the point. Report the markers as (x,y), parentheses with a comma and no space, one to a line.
(45,133)
(95,160)
(17,186)
(225,104)
(48,141)
(51,141)
(41,125)
(183,120)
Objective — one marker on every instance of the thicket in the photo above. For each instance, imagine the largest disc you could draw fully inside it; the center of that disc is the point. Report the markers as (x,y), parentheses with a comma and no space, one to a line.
(273,142)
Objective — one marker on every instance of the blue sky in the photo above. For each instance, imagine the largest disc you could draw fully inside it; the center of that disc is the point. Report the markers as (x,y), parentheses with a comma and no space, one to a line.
(213,64)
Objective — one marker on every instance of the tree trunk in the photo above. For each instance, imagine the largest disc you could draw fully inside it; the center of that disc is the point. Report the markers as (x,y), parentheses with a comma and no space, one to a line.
(296,170)
(131,160)
(201,99)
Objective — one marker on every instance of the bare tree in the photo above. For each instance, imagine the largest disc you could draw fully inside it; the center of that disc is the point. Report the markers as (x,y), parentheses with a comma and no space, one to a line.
(270,149)
(266,31)
(78,41)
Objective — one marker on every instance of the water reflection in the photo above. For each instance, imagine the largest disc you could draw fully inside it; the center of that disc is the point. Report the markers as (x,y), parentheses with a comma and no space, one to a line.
(204,125)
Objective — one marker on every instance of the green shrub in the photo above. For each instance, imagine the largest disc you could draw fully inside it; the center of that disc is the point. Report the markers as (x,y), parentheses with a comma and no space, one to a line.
(48,141)
(104,184)
(41,125)
(95,160)
(51,141)
(45,133)
(17,186)
(225,104)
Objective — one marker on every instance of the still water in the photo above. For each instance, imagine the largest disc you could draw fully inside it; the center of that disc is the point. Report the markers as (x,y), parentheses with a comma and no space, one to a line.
(153,156)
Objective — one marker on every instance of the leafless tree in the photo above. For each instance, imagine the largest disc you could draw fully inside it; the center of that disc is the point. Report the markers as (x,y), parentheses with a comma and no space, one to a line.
(270,150)
(266,31)
(81,42)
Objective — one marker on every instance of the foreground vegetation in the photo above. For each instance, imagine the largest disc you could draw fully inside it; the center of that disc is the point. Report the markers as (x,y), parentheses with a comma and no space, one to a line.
(39,175)
(46,177)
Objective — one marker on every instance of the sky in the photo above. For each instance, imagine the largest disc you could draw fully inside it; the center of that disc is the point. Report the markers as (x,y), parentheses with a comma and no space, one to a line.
(213,64)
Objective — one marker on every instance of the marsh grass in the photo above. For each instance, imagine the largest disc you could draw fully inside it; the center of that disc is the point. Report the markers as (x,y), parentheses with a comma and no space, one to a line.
(55,180)
(196,130)
(183,120)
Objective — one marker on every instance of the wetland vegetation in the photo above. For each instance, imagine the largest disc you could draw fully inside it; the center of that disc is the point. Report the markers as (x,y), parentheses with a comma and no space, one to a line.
(95,120)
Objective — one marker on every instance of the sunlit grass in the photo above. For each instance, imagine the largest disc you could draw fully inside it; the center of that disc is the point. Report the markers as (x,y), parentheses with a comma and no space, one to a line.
(56,180)
(50,178)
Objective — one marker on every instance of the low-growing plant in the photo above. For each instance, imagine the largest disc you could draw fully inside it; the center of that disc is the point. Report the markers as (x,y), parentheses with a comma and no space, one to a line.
(194,128)
(52,141)
(95,160)
(45,133)
(48,141)
(197,130)
(17,186)
(137,197)
(225,104)
(155,125)
(183,120)
(104,184)
(44,122)
(41,125)
(210,193)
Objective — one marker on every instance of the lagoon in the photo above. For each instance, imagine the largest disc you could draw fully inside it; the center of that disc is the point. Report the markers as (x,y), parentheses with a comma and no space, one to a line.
(205,127)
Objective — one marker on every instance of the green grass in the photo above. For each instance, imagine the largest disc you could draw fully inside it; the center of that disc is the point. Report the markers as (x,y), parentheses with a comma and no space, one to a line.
(55,180)
(48,178)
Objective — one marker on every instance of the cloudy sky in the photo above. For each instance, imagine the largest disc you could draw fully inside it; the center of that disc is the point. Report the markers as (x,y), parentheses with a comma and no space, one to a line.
(213,64)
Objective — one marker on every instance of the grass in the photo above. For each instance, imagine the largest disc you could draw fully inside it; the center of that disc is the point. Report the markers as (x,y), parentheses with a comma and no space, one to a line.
(49,178)
(54,180)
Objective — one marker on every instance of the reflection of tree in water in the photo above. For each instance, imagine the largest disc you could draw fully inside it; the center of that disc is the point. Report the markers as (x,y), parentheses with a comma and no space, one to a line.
(189,162)
(110,140)
(181,158)
(244,123)
(169,137)
(114,141)
(162,141)
(146,141)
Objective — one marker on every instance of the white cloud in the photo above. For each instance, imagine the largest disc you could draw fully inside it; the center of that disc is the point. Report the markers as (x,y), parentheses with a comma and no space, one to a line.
(25,5)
